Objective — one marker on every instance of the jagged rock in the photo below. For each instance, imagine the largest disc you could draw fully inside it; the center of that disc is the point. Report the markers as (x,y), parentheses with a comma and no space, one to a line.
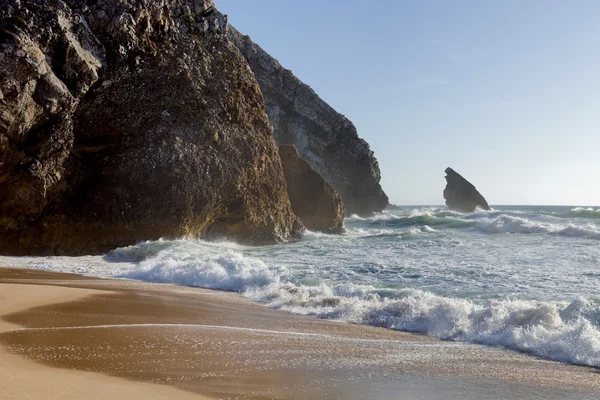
(327,140)
(123,121)
(461,195)
(313,200)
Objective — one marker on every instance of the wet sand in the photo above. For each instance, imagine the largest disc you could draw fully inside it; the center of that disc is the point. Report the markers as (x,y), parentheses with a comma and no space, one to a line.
(220,345)
(22,378)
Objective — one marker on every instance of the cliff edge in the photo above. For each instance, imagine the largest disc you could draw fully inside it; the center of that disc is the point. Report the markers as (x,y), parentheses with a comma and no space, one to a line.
(327,140)
(126,121)
(461,195)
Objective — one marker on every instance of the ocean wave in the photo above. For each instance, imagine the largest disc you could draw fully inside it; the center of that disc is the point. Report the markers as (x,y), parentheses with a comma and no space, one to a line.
(387,215)
(227,271)
(511,224)
(151,248)
(581,212)
(138,252)
(424,219)
(580,231)
(555,331)
(565,332)
(427,217)
(356,277)
(409,233)
(314,235)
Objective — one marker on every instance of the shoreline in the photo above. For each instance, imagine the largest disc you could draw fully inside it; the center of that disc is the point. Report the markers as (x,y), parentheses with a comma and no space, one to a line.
(199,342)
(22,378)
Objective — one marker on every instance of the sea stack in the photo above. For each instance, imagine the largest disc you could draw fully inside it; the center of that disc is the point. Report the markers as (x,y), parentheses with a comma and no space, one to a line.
(123,121)
(313,200)
(326,139)
(461,195)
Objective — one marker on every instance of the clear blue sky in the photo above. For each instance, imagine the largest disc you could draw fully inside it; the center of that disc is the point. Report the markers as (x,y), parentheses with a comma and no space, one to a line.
(505,92)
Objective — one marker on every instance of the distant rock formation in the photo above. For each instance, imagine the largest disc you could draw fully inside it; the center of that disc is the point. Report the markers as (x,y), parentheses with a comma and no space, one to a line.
(313,200)
(327,140)
(461,195)
(123,121)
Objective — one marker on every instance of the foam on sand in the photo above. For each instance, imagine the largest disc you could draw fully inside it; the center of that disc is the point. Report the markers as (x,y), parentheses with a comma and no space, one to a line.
(555,330)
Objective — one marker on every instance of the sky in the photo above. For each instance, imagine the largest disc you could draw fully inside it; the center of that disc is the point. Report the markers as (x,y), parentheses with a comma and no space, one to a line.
(506,92)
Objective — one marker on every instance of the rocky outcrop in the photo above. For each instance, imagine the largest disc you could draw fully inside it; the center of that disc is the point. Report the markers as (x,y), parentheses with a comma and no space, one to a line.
(123,121)
(327,140)
(313,200)
(461,195)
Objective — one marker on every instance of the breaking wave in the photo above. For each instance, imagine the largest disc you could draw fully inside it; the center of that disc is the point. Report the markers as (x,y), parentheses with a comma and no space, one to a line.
(559,331)
(508,224)
(581,212)
(494,221)
(429,218)
(465,277)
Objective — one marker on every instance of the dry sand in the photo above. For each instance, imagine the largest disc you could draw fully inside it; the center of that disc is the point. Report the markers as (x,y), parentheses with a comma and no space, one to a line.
(218,344)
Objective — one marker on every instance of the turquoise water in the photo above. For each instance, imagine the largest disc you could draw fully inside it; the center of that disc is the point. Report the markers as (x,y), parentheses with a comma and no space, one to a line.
(524,278)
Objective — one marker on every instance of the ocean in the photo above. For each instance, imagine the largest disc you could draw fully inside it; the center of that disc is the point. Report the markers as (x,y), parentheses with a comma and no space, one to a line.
(522,278)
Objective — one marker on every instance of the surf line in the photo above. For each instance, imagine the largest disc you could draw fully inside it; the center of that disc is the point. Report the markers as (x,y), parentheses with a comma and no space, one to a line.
(223,327)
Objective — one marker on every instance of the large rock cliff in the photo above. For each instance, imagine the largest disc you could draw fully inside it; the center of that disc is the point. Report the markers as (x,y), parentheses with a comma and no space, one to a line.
(129,120)
(461,195)
(313,200)
(327,140)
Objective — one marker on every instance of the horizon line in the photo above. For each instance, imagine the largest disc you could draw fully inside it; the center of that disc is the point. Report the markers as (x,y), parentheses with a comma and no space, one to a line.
(499,205)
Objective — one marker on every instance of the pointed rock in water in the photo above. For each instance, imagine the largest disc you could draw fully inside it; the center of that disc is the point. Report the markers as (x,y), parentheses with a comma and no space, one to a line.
(313,200)
(326,139)
(461,195)
(123,121)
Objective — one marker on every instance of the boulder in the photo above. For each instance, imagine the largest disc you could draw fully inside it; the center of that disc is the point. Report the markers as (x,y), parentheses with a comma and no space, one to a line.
(313,200)
(326,139)
(127,121)
(461,195)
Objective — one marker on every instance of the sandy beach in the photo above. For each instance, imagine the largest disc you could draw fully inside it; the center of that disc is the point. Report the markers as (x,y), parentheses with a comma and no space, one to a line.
(22,378)
(66,336)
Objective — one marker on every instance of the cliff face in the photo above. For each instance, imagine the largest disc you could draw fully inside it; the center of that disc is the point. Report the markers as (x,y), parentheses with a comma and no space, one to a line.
(313,200)
(125,121)
(461,195)
(327,140)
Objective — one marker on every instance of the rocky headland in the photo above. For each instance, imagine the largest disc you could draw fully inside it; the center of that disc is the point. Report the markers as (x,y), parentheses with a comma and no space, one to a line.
(126,121)
(326,139)
(461,195)
(313,200)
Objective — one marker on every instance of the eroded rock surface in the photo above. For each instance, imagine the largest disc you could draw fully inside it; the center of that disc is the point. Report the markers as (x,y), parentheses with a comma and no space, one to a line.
(461,195)
(313,200)
(123,121)
(327,140)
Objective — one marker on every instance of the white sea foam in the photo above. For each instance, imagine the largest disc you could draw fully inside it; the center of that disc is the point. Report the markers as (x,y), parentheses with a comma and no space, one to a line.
(579,231)
(359,233)
(584,212)
(526,279)
(355,217)
(560,331)
(227,271)
(512,224)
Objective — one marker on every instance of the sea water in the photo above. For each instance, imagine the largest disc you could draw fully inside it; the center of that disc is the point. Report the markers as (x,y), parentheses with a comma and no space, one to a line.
(523,278)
